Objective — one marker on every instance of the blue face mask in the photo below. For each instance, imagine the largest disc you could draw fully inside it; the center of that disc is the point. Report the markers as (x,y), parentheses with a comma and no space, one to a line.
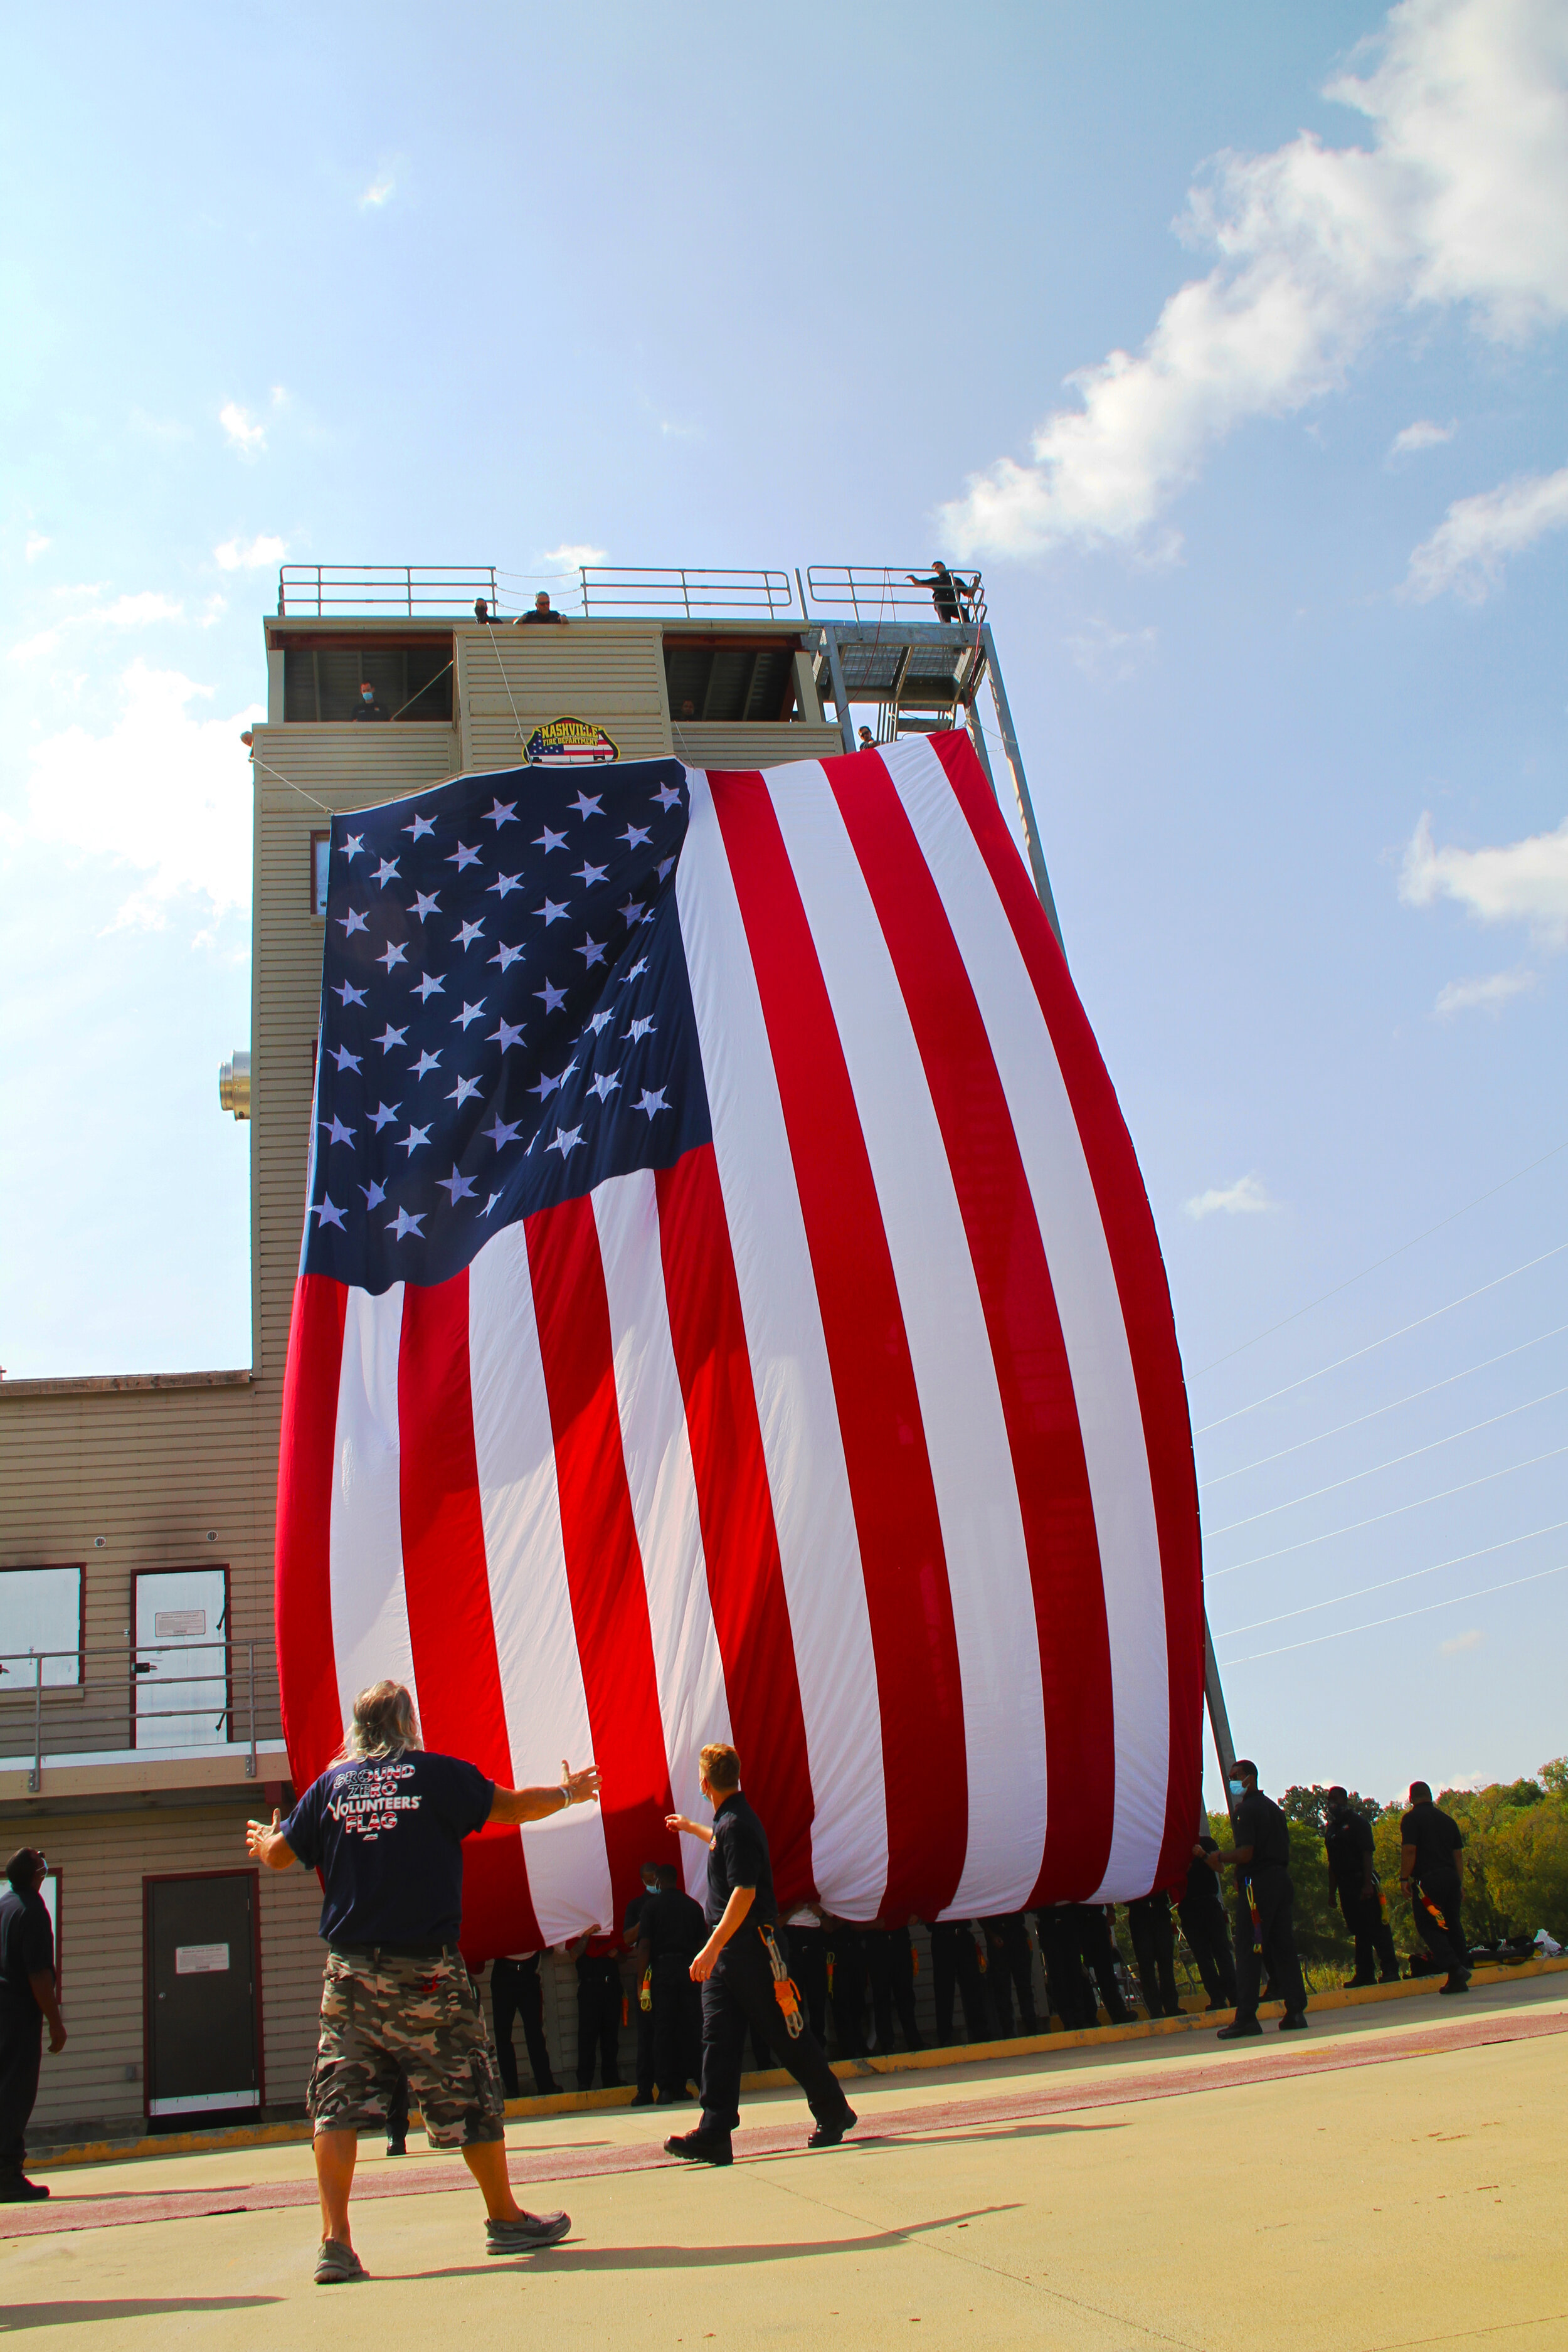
(1237,1788)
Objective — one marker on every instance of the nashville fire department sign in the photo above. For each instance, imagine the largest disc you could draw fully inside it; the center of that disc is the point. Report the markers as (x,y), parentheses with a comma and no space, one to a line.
(569,743)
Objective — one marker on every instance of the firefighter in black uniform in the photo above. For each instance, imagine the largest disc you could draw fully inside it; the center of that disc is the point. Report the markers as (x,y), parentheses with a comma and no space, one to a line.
(1155,1949)
(1202,1909)
(1430,1873)
(1347,1840)
(1009,1969)
(29,2000)
(740,1969)
(1090,1924)
(1265,1897)
(669,1936)
(1068,1993)
(890,1965)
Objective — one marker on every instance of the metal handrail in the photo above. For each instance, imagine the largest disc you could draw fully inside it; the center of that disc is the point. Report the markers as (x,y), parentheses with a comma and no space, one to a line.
(665,590)
(105,1711)
(317,590)
(878,593)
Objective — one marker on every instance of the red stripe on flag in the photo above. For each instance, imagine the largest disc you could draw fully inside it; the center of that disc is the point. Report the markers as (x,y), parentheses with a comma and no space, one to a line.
(308,1672)
(446,1582)
(599,1537)
(894,1497)
(740,1542)
(1141,1285)
(1033,1376)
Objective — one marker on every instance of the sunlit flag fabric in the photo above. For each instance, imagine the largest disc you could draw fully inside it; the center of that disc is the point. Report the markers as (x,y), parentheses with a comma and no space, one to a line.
(730,1309)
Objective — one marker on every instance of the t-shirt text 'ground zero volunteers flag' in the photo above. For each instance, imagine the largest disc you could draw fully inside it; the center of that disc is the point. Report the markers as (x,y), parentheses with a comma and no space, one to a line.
(730,1309)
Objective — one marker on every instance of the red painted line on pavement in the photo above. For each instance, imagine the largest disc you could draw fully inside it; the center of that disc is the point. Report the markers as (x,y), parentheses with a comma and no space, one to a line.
(1077,2093)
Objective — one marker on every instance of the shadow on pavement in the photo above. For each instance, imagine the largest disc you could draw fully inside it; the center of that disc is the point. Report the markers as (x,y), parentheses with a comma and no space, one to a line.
(20,2316)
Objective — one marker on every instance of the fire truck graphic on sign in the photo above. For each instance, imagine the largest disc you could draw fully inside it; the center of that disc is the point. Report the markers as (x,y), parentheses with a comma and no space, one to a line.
(569,743)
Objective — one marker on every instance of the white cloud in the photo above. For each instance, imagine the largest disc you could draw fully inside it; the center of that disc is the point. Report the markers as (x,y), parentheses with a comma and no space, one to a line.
(1451,1648)
(244,433)
(570,556)
(35,545)
(1469,546)
(1246,1197)
(260,555)
(1103,652)
(1460,199)
(164,794)
(1422,434)
(381,190)
(1490,993)
(135,611)
(1519,882)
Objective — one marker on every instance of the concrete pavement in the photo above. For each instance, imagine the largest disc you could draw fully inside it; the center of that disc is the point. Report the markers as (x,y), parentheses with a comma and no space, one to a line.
(1395,2177)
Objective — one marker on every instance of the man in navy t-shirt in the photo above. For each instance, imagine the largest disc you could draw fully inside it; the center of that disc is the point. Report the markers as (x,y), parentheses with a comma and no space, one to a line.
(384,1826)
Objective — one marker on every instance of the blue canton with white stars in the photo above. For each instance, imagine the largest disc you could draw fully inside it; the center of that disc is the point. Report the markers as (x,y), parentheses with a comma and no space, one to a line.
(506,1014)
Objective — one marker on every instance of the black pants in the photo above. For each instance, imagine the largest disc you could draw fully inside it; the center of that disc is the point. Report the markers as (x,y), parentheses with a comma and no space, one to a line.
(848,1989)
(1068,1990)
(1010,1971)
(1155,1949)
(598,2019)
(890,1965)
(516,1992)
(1208,1940)
(1444,1935)
(21,2055)
(1275,1897)
(1374,1952)
(676,2027)
(808,1956)
(955,1963)
(1097,1952)
(739,1993)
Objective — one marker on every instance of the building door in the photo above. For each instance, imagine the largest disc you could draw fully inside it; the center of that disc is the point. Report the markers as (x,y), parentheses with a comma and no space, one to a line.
(181,1657)
(204,1995)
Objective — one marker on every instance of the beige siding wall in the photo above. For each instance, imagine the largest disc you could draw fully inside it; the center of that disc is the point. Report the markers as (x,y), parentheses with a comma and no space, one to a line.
(511,680)
(100,2074)
(739,745)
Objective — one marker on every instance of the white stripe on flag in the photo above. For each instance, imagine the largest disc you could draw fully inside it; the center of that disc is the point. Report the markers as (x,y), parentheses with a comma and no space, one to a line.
(689,1672)
(530,1601)
(370,1605)
(819,1552)
(966,1430)
(1084,1280)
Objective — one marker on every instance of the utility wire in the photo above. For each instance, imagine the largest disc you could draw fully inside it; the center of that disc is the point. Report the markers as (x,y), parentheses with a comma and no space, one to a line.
(1308,1609)
(1378,1517)
(1485,1593)
(1415,1395)
(1373,1344)
(1393,1253)
(1392,1463)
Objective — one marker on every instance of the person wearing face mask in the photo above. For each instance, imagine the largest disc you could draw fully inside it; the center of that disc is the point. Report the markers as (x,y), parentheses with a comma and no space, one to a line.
(1265,1925)
(1347,1840)
(370,704)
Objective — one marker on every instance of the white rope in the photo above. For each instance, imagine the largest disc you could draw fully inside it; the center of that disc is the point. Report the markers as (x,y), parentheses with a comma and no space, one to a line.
(1392,1463)
(293,787)
(1211,1576)
(1410,1577)
(1401,1618)
(1413,1397)
(1373,1344)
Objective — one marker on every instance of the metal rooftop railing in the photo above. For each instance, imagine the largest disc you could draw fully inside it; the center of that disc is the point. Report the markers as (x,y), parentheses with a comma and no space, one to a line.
(867,595)
(316,591)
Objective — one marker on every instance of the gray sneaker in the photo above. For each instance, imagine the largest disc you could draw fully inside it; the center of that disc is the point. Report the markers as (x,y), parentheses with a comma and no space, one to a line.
(527,2234)
(336,2264)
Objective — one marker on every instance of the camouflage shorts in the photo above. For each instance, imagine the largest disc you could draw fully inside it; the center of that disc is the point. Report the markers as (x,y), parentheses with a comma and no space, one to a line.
(383,2018)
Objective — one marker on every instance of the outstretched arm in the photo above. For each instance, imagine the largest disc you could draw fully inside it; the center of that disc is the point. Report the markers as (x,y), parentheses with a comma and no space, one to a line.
(265,1841)
(517,1805)
(681,1827)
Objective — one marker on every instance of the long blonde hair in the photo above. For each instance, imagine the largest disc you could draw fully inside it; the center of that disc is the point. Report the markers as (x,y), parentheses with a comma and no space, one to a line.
(382,1725)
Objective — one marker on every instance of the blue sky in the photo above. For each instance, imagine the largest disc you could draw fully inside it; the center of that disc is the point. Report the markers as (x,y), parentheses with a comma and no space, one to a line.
(1230,341)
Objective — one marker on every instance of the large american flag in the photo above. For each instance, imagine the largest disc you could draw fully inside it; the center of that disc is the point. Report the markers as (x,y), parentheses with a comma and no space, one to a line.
(730,1309)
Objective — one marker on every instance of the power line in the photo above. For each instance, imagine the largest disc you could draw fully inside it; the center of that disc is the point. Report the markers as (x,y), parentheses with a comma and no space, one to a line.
(1481,1552)
(1485,1593)
(1392,1463)
(1378,1410)
(1373,1344)
(1353,1278)
(1259,1559)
